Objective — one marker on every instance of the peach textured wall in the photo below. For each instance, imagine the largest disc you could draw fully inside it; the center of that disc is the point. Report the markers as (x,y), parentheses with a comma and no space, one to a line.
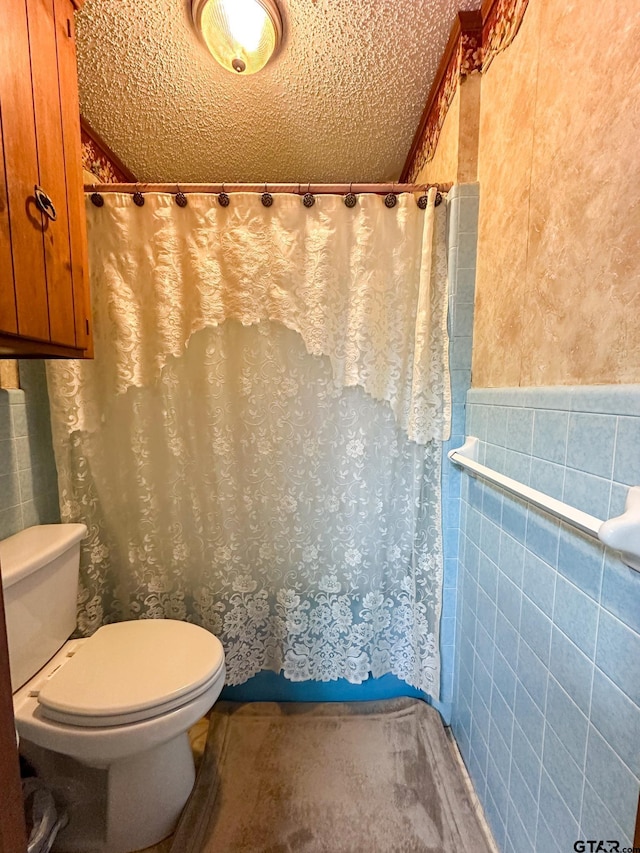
(469,133)
(443,168)
(456,156)
(558,275)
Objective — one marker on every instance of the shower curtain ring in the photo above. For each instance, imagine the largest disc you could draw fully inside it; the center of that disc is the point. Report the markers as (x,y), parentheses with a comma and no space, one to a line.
(267,198)
(350,199)
(138,198)
(181,199)
(309,198)
(390,199)
(223,198)
(423,200)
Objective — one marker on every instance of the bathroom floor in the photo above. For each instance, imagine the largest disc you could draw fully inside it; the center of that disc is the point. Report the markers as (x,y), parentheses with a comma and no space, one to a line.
(329,778)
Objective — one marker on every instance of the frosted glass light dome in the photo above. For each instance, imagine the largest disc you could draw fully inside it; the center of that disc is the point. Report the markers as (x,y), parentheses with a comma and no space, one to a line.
(242,35)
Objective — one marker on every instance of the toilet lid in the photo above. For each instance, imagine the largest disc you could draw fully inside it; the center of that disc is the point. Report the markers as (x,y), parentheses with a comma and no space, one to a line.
(131,671)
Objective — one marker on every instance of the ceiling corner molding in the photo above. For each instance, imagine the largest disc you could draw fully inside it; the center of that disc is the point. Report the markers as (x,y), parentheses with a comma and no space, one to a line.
(100,160)
(476,38)
(463,51)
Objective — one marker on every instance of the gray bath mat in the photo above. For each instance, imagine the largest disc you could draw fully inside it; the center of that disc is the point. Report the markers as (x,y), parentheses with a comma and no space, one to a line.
(365,777)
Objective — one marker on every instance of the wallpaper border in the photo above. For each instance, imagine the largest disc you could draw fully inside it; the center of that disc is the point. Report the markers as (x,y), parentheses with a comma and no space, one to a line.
(99,159)
(476,38)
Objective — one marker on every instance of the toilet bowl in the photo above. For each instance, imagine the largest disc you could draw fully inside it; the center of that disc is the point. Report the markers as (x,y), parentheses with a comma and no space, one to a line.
(102,720)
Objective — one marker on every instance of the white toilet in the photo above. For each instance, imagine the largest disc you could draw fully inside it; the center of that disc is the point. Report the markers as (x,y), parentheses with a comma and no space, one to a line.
(103,720)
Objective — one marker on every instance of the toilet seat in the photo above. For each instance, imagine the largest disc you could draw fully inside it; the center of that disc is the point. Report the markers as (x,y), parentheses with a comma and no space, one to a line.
(132,671)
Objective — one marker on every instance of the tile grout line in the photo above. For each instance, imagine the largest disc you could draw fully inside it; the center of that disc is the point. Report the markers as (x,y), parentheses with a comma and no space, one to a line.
(586,749)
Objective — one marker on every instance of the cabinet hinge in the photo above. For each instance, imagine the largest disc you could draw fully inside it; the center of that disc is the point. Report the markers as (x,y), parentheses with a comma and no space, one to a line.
(86,324)
(69,27)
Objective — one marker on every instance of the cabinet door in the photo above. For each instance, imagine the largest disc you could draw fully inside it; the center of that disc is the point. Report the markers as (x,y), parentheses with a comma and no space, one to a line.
(67,69)
(50,146)
(21,175)
(8,315)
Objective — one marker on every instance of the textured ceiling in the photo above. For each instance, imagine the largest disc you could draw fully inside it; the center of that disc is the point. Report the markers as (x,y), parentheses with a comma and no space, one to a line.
(339,103)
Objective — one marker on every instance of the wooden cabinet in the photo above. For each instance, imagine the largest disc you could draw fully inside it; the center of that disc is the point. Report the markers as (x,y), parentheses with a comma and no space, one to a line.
(44,290)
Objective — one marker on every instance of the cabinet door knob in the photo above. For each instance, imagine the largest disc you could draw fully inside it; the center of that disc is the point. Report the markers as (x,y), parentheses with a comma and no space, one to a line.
(44,203)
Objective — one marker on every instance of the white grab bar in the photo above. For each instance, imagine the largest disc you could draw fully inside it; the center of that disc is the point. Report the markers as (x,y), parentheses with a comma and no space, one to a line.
(621,533)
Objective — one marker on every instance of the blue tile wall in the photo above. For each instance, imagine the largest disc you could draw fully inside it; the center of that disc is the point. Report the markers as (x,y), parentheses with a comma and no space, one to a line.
(28,479)
(547,687)
(462,236)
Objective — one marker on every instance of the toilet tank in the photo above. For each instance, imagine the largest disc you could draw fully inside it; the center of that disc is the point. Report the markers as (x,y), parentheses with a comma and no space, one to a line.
(39,570)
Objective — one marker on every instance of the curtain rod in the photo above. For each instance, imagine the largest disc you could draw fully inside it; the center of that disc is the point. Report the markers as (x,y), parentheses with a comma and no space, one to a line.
(301,189)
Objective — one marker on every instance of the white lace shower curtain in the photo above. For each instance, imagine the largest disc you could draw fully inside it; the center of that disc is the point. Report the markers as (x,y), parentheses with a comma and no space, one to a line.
(256,447)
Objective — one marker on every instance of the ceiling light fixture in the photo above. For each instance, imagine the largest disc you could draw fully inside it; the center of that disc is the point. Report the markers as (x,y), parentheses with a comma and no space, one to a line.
(242,35)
